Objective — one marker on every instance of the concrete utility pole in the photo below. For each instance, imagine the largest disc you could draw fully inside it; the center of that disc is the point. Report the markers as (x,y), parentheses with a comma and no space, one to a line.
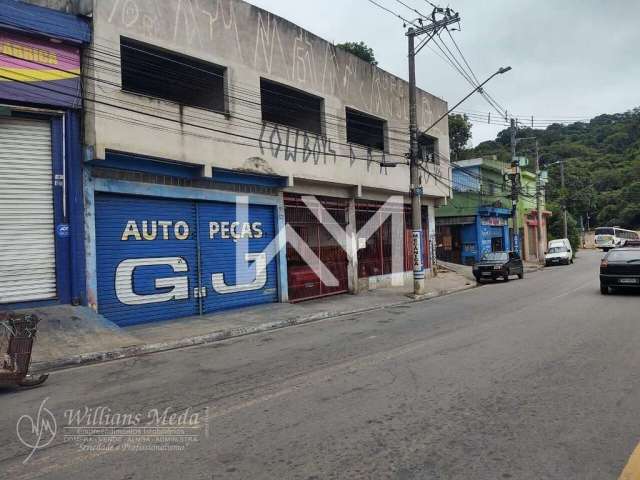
(415,184)
(515,183)
(541,246)
(416,189)
(564,201)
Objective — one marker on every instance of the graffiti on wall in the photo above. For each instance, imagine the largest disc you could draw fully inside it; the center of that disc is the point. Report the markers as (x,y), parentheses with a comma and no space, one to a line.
(290,144)
(239,32)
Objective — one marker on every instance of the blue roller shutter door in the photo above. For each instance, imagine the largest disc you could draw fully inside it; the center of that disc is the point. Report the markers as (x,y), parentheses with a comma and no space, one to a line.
(220,233)
(145,272)
(131,260)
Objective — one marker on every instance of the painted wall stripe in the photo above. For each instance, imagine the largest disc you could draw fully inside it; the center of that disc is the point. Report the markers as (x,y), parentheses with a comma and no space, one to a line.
(632,469)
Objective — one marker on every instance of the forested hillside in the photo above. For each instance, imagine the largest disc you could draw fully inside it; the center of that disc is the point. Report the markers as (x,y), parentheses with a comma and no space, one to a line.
(602,166)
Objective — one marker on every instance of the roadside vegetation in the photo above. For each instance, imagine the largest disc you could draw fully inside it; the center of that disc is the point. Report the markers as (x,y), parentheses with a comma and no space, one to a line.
(602,168)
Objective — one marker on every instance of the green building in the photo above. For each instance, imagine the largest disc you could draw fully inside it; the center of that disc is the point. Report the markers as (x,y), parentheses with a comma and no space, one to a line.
(528,218)
(476,218)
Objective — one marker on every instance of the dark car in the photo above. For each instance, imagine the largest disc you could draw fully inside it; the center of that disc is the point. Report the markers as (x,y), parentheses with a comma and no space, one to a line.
(494,265)
(620,267)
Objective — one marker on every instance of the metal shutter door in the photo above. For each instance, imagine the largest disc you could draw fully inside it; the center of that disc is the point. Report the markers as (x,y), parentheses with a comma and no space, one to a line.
(218,256)
(145,279)
(27,246)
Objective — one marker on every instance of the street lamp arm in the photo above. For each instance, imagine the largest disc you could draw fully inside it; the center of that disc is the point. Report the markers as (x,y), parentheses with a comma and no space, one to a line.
(478,88)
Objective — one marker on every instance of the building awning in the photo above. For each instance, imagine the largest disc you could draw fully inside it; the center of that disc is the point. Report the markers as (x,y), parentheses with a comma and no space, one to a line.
(248,178)
(37,20)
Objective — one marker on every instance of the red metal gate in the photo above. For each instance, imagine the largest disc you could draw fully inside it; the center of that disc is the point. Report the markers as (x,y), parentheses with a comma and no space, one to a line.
(304,284)
(375,258)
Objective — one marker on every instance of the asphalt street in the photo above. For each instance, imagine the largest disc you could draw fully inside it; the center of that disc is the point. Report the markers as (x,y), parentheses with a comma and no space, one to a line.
(531,379)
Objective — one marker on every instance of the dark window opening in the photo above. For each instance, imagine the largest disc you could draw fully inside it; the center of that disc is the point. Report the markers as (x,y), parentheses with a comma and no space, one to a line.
(365,130)
(427,151)
(160,73)
(291,107)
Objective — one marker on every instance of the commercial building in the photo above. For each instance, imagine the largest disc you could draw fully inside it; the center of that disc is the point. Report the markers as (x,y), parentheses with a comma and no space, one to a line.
(476,219)
(41,206)
(215,134)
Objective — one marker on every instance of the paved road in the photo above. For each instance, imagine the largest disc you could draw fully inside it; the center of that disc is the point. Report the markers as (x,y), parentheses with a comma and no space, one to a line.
(533,379)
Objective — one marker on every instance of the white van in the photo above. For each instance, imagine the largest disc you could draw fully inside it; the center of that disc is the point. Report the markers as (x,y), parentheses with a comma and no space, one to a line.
(559,252)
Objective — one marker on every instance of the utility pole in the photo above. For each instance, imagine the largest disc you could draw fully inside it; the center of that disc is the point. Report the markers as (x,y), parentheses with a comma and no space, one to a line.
(541,247)
(414,173)
(515,180)
(564,201)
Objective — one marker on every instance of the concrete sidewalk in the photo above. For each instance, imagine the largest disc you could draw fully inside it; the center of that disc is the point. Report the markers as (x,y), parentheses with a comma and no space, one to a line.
(70,336)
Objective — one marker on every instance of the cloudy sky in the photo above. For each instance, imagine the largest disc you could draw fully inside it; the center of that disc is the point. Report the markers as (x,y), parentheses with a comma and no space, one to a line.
(571,59)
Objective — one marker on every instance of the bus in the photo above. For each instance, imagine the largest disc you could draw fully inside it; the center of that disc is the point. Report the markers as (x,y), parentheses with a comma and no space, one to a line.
(612,237)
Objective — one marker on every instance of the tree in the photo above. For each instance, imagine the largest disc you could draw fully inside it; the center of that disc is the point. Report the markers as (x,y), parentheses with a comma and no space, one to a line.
(555,227)
(602,165)
(361,50)
(459,133)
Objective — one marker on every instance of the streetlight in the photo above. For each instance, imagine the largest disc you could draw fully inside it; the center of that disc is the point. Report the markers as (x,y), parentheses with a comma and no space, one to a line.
(477,89)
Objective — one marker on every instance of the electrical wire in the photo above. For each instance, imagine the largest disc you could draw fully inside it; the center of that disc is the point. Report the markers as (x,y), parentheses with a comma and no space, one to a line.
(395,14)
(259,123)
(411,8)
(159,117)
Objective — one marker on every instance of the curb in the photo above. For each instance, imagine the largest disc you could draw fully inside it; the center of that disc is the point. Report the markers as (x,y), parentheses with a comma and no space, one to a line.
(137,350)
(533,268)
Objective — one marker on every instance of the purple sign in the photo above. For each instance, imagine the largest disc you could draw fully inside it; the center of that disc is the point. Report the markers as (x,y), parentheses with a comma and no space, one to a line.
(39,71)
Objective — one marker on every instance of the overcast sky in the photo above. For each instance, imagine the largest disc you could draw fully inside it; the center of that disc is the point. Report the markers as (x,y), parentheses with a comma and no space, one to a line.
(570,58)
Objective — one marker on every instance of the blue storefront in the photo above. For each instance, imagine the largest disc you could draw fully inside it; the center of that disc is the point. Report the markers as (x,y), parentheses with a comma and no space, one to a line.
(41,206)
(488,233)
(175,244)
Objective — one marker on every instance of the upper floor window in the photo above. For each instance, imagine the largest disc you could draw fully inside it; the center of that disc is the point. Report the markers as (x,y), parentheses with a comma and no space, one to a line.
(291,107)
(427,149)
(365,130)
(156,72)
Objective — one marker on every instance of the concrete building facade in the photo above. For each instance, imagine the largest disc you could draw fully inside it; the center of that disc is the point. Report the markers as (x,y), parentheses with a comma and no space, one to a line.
(191,106)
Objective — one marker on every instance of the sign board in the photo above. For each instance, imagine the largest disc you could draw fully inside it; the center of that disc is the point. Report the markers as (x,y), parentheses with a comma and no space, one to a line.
(494,221)
(418,257)
(62,230)
(38,71)
(159,259)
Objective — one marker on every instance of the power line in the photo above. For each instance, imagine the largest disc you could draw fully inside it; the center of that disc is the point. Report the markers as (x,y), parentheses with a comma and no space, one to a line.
(411,8)
(144,71)
(159,117)
(395,14)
